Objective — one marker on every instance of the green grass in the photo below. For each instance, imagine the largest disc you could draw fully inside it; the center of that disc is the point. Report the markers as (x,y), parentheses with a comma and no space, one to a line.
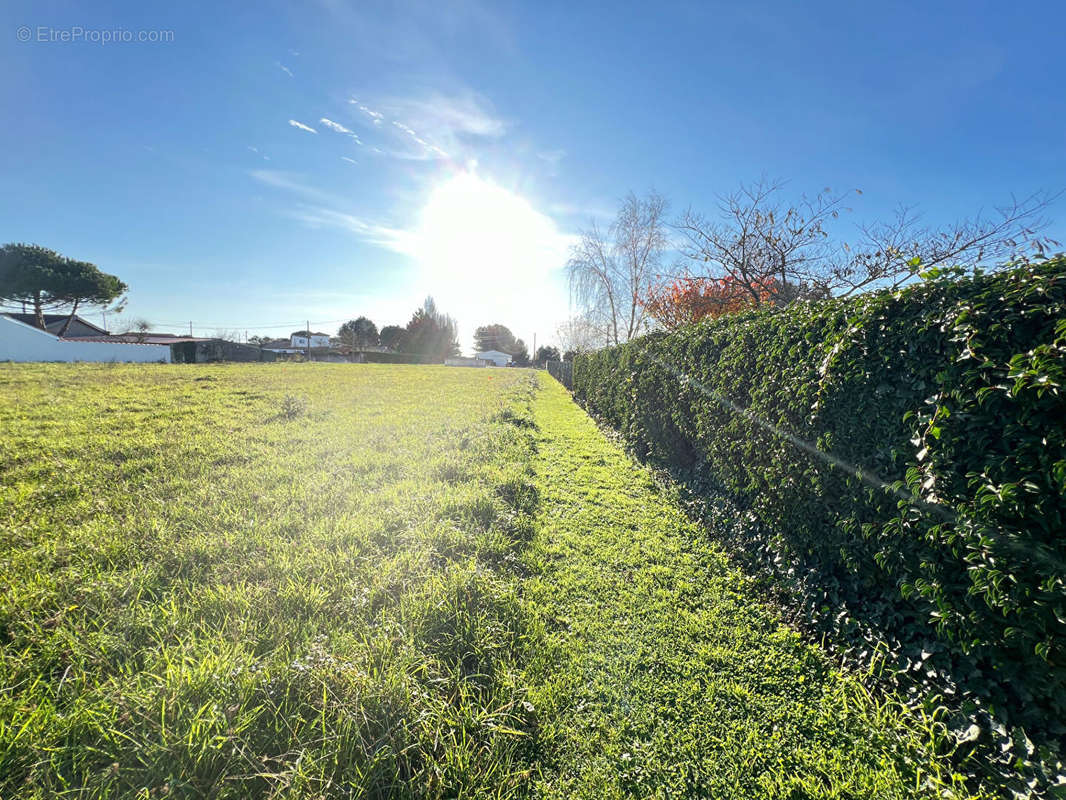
(663,675)
(202,597)
(307,580)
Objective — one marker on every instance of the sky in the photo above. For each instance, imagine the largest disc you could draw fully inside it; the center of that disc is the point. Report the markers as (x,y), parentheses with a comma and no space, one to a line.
(249,167)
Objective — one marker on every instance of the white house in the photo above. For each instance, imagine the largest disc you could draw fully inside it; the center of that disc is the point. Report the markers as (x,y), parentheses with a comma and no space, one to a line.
(299,339)
(22,342)
(500,359)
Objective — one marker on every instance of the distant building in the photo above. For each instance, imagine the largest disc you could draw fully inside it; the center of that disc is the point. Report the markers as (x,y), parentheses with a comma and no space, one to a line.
(300,339)
(53,323)
(283,346)
(497,357)
(457,361)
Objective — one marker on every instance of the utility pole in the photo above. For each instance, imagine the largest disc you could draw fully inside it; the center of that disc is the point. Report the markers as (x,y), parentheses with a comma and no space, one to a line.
(190,328)
(308,338)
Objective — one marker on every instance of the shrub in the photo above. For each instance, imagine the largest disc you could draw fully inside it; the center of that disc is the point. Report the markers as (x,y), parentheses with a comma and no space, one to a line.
(897,459)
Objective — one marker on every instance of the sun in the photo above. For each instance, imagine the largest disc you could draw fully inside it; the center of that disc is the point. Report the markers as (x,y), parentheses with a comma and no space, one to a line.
(485,250)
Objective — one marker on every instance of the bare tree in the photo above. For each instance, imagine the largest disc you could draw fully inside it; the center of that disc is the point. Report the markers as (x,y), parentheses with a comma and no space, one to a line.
(611,272)
(578,335)
(775,253)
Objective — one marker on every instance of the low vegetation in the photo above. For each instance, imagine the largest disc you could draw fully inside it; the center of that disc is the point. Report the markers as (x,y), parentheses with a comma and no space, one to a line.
(310,580)
(896,464)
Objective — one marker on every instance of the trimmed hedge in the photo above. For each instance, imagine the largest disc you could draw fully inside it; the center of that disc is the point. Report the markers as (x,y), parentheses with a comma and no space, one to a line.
(898,459)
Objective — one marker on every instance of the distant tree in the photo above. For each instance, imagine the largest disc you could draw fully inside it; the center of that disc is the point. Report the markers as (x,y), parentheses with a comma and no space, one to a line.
(570,355)
(139,329)
(393,337)
(494,337)
(46,280)
(759,242)
(610,272)
(546,353)
(360,332)
(431,333)
(520,353)
(259,340)
(577,334)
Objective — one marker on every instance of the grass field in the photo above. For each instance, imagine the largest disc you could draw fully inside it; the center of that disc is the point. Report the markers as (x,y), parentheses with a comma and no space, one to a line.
(334,580)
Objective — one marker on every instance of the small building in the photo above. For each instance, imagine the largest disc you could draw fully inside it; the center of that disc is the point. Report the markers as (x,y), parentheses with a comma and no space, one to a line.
(497,357)
(301,339)
(53,323)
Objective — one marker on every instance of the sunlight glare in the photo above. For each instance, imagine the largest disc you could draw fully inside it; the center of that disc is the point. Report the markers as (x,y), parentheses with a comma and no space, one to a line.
(488,255)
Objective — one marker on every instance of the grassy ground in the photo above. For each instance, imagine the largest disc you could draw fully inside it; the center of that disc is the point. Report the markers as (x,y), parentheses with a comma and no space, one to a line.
(663,674)
(333,580)
(288,580)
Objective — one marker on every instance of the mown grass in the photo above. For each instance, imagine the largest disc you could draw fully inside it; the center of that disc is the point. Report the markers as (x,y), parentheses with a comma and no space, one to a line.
(283,580)
(343,581)
(664,674)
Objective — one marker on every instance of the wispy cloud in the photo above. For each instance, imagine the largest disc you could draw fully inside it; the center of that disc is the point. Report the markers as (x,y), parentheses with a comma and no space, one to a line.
(376,116)
(256,151)
(390,238)
(323,209)
(552,157)
(349,160)
(443,126)
(285,69)
(301,126)
(430,148)
(336,126)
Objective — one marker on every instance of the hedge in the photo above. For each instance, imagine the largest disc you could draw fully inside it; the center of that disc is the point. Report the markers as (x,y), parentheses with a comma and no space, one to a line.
(897,458)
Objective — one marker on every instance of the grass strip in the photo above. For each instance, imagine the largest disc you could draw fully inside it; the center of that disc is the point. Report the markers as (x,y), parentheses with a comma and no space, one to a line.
(664,675)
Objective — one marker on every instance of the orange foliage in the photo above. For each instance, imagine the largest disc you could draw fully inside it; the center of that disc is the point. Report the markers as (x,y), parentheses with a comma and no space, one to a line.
(684,301)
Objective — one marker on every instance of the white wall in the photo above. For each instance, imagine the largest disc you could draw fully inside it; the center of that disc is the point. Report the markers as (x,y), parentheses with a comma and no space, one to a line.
(20,342)
(316,341)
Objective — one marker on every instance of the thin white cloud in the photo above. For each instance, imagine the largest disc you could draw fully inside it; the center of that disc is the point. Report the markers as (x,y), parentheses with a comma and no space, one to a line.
(336,126)
(443,126)
(301,126)
(552,157)
(394,239)
(430,148)
(376,116)
(285,69)
(256,151)
(349,160)
(322,209)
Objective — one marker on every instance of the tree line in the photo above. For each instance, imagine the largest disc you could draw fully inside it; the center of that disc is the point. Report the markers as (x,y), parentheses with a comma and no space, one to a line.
(759,247)
(432,333)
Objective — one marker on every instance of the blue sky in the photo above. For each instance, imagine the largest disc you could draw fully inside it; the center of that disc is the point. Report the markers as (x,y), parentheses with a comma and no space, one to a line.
(455,148)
